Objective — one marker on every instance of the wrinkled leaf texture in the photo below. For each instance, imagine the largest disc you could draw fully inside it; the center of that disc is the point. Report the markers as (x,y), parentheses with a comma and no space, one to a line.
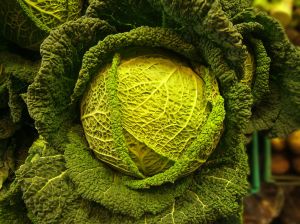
(215,191)
(225,169)
(28,22)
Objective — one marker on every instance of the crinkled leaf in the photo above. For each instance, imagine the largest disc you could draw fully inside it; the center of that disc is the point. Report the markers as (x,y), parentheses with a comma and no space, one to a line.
(207,17)
(277,109)
(43,179)
(28,22)
(6,161)
(12,207)
(62,54)
(129,13)
(13,211)
(51,13)
(17,73)
(231,8)
(18,27)
(97,182)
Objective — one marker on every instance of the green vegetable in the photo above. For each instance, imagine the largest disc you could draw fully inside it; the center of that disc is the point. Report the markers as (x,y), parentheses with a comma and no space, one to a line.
(76,167)
(203,75)
(190,193)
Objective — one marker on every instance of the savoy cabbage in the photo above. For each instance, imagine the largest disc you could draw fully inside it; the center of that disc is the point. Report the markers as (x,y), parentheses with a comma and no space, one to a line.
(143,119)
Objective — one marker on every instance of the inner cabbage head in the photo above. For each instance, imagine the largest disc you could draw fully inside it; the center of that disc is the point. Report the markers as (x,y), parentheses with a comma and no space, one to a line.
(163,102)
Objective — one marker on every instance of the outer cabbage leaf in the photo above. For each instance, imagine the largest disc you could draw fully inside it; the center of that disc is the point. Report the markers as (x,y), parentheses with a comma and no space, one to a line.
(186,17)
(17,27)
(13,211)
(62,52)
(129,13)
(276,84)
(49,194)
(16,74)
(12,208)
(208,18)
(44,175)
(107,186)
(43,178)
(28,22)
(51,13)
(231,8)
(13,152)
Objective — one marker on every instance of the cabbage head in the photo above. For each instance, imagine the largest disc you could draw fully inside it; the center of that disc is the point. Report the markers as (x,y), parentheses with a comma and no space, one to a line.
(141,122)
(153,108)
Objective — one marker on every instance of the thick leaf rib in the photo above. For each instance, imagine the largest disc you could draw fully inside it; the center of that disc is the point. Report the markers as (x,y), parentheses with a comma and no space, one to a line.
(118,137)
